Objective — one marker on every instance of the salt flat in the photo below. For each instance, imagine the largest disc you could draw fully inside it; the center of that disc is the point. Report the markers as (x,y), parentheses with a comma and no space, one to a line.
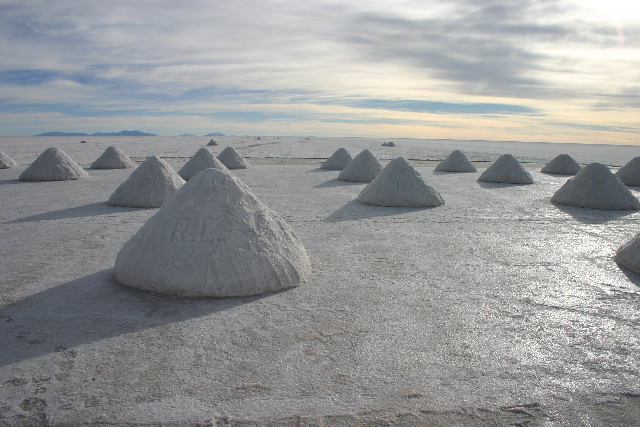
(498,307)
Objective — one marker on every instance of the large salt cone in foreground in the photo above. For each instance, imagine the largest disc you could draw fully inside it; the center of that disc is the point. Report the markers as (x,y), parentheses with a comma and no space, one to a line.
(363,168)
(149,186)
(7,162)
(53,165)
(629,174)
(563,164)
(456,162)
(338,160)
(232,159)
(203,159)
(213,238)
(507,170)
(113,158)
(596,187)
(628,255)
(400,184)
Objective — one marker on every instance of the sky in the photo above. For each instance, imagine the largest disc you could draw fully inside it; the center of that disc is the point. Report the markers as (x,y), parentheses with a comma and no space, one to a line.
(521,70)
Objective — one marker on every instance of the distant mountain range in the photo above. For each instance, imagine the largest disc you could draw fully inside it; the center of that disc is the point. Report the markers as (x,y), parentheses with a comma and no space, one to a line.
(215,134)
(121,133)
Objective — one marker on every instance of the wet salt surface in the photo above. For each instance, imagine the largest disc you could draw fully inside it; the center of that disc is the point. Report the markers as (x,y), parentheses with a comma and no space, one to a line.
(498,298)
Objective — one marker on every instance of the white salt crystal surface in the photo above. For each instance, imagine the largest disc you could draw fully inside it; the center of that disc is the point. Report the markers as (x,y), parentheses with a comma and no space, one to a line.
(497,299)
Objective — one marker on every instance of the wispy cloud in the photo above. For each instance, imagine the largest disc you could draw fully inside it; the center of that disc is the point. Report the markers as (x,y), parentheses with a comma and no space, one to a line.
(528,63)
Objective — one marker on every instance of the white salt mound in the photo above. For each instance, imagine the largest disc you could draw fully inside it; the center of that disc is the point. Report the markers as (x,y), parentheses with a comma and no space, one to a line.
(53,165)
(363,168)
(596,187)
(384,144)
(400,184)
(113,158)
(203,159)
(212,142)
(628,255)
(456,162)
(232,159)
(508,170)
(391,144)
(629,174)
(338,160)
(213,238)
(149,186)
(563,164)
(7,162)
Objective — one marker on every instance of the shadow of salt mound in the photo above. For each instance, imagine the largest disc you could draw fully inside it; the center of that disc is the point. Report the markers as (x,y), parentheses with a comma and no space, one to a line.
(322,170)
(11,181)
(354,211)
(490,185)
(633,277)
(338,183)
(593,216)
(90,309)
(92,209)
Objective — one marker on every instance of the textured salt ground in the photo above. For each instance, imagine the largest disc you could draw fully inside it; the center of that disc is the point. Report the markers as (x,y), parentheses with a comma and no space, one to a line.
(472,312)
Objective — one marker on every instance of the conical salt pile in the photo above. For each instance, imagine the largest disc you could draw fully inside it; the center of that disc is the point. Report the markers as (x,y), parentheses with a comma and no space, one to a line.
(596,187)
(506,170)
(563,164)
(629,174)
(338,160)
(384,144)
(628,255)
(213,238)
(203,159)
(456,162)
(148,186)
(391,144)
(232,159)
(363,168)
(53,165)
(212,142)
(7,162)
(113,158)
(400,184)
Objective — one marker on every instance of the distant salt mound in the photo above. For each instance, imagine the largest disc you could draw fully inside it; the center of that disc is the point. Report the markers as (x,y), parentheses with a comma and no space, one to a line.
(212,142)
(391,144)
(562,164)
(149,186)
(384,144)
(363,168)
(400,184)
(232,159)
(213,238)
(456,162)
(113,158)
(203,159)
(506,170)
(7,162)
(628,255)
(53,165)
(338,160)
(629,174)
(596,187)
